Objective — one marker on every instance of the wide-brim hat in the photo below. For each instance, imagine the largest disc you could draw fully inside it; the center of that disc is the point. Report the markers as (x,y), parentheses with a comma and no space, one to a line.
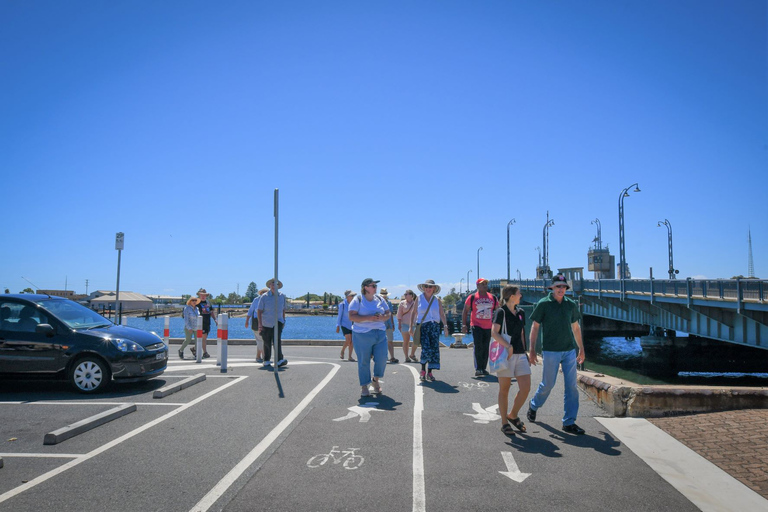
(263,291)
(559,280)
(383,292)
(429,282)
(193,301)
(202,290)
(349,293)
(279,284)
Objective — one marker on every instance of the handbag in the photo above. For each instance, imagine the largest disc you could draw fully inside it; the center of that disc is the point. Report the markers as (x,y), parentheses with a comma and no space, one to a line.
(417,330)
(498,358)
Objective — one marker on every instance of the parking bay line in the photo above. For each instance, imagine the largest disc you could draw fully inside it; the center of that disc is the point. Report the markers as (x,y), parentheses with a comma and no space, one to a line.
(50,474)
(229,479)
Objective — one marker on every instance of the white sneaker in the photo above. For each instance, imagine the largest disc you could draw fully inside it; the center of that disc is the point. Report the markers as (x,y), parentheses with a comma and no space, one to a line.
(376,387)
(282,362)
(365,391)
(267,362)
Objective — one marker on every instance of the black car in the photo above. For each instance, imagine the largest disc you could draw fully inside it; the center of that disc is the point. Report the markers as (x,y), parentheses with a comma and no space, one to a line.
(53,337)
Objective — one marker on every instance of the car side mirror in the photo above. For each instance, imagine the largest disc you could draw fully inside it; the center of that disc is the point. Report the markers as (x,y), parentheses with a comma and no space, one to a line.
(46,329)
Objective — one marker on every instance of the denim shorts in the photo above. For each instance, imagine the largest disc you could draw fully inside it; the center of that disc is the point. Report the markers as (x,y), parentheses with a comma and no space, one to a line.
(518,365)
(404,327)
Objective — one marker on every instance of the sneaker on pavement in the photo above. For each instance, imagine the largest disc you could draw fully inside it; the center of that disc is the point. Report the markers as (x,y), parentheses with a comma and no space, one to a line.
(423,375)
(485,372)
(181,354)
(282,362)
(365,391)
(430,377)
(259,360)
(478,373)
(531,414)
(267,362)
(376,387)
(573,429)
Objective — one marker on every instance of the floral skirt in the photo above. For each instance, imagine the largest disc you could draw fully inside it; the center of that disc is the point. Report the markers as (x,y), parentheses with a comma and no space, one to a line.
(430,344)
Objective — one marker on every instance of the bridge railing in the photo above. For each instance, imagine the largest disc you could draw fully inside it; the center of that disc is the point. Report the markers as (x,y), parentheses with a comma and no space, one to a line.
(751,290)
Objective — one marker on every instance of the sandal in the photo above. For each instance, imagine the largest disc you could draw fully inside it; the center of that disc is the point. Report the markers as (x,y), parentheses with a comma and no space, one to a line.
(519,425)
(507,429)
(351,360)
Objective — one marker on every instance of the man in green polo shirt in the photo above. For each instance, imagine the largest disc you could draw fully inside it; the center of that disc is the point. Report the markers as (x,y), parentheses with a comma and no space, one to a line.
(561,346)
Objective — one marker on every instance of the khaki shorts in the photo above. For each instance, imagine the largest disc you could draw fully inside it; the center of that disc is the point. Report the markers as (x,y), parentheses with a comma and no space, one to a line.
(518,365)
(390,335)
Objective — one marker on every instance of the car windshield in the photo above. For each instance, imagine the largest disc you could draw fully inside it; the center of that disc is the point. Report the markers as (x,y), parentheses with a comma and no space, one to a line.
(73,314)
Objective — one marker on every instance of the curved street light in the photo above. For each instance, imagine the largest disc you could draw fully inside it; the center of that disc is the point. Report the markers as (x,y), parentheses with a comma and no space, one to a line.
(545,242)
(599,237)
(468,271)
(508,225)
(460,282)
(671,270)
(519,279)
(478,262)
(622,254)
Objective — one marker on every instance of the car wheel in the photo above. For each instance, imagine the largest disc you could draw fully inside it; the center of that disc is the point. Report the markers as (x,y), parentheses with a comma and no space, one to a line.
(90,375)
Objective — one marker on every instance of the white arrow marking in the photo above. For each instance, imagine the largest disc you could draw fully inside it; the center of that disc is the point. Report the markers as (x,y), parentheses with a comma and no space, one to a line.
(486,415)
(363,411)
(513,472)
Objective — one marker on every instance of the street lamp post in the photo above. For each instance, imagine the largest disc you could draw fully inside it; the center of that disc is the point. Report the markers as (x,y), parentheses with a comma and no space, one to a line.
(468,271)
(478,261)
(599,237)
(622,253)
(671,270)
(460,282)
(519,279)
(545,244)
(508,225)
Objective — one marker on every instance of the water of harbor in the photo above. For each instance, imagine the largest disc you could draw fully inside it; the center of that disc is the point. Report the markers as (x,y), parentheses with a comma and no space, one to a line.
(614,356)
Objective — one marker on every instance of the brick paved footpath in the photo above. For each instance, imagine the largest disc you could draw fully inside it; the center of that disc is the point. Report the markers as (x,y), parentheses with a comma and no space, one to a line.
(735,441)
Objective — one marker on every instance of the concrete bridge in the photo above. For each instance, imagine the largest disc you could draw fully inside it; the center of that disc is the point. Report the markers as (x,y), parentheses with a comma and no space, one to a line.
(729,310)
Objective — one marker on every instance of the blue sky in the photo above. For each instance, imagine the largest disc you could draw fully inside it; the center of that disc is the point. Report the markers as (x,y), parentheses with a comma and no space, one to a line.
(402,136)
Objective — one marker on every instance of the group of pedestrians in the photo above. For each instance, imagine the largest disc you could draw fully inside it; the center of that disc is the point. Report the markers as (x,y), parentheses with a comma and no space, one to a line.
(366,319)
(198,306)
(562,348)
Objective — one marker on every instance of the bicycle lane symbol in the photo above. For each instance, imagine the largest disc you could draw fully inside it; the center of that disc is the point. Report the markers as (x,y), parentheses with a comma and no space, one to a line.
(346,457)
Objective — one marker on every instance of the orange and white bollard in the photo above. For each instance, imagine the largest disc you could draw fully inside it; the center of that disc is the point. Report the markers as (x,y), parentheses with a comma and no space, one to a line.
(199,340)
(223,333)
(167,332)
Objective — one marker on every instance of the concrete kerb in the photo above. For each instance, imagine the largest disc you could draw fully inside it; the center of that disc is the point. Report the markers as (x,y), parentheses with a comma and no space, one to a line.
(173,388)
(627,399)
(1,462)
(87,424)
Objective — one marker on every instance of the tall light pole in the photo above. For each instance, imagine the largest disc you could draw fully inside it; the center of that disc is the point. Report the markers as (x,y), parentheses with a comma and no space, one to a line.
(622,254)
(508,225)
(519,279)
(461,281)
(119,246)
(468,271)
(478,261)
(671,270)
(545,244)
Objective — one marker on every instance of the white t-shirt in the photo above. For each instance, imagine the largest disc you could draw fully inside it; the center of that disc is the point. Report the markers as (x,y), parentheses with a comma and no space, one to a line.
(365,307)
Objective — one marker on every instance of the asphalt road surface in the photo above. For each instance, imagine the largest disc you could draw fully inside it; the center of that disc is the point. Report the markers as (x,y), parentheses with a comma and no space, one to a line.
(232,443)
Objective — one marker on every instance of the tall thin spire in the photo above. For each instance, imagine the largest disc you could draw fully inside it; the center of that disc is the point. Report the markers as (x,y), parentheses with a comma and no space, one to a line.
(751,271)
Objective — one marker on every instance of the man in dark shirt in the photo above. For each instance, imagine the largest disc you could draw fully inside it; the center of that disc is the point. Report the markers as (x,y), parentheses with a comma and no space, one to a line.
(561,346)
(206,311)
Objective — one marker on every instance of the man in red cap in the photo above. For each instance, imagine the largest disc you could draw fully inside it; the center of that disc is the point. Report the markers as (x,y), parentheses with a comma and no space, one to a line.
(481,304)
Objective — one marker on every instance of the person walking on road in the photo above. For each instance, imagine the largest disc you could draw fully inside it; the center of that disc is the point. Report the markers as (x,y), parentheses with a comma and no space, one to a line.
(268,318)
(511,320)
(481,305)
(369,313)
(406,317)
(190,315)
(389,329)
(206,311)
(344,324)
(251,317)
(561,347)
(429,316)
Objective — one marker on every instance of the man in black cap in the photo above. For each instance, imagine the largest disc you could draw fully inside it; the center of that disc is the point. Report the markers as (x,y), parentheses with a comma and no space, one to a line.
(561,346)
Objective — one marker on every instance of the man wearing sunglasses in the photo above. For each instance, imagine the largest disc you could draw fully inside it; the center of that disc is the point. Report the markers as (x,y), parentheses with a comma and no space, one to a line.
(561,346)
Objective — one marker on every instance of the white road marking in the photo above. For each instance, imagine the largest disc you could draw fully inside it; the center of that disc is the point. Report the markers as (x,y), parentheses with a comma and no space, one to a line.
(513,472)
(43,455)
(47,476)
(364,411)
(486,415)
(703,483)
(174,404)
(419,487)
(225,483)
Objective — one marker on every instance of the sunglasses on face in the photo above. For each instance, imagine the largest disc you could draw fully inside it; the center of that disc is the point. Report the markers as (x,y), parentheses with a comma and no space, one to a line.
(374,285)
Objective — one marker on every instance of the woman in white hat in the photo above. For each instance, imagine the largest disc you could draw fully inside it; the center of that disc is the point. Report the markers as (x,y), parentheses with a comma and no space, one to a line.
(429,316)
(369,313)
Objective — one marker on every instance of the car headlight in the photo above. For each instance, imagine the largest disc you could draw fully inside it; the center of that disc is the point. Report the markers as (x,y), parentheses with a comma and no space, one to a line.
(127,346)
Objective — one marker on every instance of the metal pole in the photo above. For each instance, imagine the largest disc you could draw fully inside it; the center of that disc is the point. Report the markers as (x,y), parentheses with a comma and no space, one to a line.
(478,262)
(119,244)
(622,254)
(276,334)
(508,225)
(468,271)
(460,281)
(671,269)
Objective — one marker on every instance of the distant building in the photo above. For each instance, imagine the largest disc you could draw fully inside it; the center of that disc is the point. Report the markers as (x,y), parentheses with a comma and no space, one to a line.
(57,293)
(129,301)
(165,299)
